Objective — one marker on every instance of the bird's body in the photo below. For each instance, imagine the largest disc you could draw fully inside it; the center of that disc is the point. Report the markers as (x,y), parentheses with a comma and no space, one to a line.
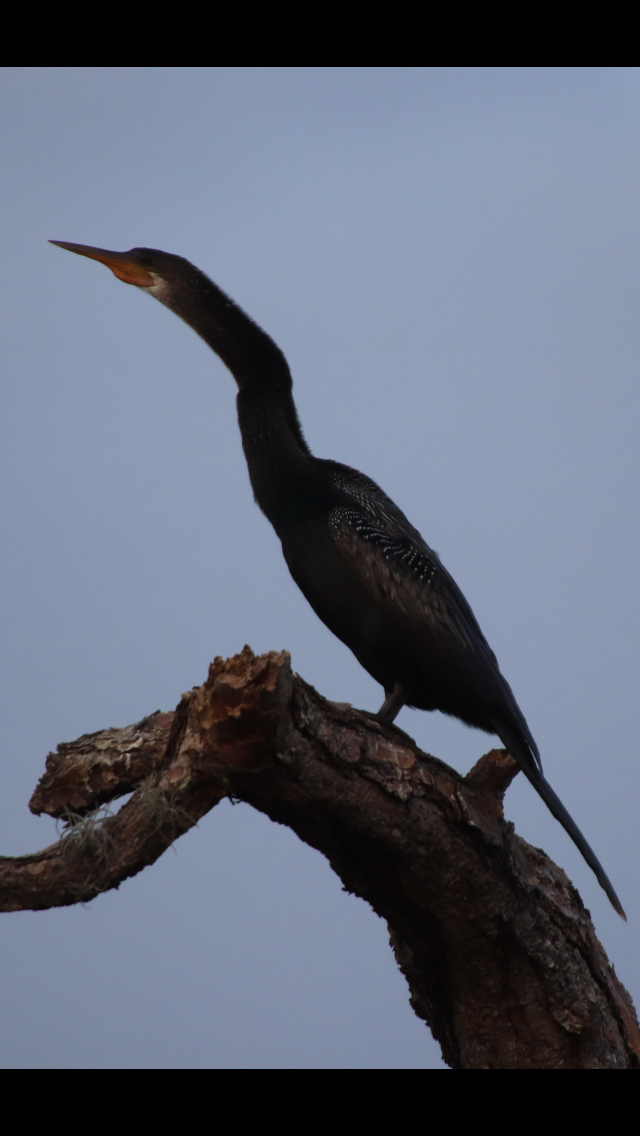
(366,571)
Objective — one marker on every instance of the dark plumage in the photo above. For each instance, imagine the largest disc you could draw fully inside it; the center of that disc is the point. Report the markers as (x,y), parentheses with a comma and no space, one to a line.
(365,570)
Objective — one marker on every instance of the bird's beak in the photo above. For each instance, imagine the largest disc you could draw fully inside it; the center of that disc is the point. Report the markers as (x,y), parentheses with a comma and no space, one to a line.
(118,262)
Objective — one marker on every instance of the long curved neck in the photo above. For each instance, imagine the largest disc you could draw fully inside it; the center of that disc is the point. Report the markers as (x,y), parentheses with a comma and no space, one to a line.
(277,455)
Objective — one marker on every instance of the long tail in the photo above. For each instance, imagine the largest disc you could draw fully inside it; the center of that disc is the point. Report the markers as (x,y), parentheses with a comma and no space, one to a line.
(525,752)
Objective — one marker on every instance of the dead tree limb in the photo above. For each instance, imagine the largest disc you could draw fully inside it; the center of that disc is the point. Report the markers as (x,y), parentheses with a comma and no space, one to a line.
(499,952)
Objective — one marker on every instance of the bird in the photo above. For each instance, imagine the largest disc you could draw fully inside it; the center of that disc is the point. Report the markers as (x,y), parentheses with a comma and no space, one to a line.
(365,570)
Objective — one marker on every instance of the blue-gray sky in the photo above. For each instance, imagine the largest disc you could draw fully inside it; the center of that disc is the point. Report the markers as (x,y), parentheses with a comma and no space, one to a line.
(450,259)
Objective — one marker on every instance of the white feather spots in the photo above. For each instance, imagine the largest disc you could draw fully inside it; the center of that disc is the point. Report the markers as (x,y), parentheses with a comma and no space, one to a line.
(396,551)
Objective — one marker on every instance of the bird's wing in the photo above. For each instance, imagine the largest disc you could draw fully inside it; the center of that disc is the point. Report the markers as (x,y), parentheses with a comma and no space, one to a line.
(400,571)
(402,574)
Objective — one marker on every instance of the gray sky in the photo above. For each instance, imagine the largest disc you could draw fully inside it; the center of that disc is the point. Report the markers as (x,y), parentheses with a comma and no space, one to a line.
(450,260)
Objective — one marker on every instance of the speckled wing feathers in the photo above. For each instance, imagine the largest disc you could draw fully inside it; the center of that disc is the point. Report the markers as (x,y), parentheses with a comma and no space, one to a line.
(400,571)
(394,562)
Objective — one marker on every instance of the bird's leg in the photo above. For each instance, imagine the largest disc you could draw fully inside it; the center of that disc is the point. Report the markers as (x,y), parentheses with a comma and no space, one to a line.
(392,704)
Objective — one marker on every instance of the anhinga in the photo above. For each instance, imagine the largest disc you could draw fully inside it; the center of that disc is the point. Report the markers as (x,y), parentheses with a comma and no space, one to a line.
(365,570)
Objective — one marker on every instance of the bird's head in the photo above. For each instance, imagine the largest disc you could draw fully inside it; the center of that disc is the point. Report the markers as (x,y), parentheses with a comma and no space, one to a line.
(150,269)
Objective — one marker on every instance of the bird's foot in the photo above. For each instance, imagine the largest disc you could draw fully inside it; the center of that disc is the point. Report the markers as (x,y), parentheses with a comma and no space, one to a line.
(392,705)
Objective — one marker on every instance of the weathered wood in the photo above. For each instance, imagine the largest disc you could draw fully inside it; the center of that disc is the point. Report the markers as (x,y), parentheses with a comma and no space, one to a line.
(499,952)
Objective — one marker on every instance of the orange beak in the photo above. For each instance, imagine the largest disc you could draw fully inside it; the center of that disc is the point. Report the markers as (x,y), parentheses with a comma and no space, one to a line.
(118,262)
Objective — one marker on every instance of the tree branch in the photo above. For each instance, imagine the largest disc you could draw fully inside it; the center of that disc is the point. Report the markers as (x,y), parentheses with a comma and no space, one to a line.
(499,952)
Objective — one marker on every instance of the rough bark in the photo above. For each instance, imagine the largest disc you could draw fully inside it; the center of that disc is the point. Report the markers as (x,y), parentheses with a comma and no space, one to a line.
(498,950)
